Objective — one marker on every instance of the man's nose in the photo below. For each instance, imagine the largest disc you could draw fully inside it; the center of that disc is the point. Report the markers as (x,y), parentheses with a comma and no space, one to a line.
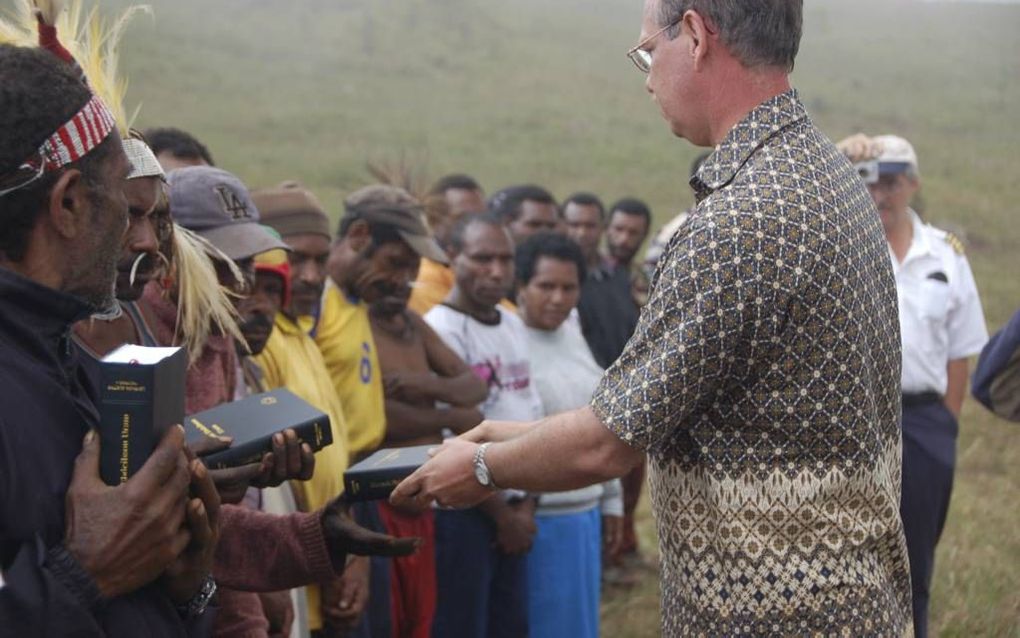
(142,236)
(499,269)
(312,272)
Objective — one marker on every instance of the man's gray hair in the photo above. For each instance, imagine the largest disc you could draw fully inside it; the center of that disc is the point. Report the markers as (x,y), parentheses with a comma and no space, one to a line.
(757,32)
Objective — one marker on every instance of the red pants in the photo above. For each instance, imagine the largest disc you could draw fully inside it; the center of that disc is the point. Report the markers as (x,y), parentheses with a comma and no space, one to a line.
(413,578)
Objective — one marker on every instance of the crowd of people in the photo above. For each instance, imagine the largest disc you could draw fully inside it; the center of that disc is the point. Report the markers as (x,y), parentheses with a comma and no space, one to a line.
(754,364)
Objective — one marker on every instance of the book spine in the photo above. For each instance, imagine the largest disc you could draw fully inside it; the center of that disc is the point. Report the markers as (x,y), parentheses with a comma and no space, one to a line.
(125,421)
(168,393)
(373,486)
(315,433)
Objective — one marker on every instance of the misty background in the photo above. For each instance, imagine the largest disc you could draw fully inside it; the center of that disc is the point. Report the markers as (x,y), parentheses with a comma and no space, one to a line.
(541,91)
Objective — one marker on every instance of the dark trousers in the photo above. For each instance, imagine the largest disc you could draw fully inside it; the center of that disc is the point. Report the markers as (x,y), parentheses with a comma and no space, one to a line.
(482,592)
(929,457)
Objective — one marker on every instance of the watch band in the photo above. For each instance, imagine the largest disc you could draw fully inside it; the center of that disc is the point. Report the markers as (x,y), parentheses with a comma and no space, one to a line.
(480,461)
(198,603)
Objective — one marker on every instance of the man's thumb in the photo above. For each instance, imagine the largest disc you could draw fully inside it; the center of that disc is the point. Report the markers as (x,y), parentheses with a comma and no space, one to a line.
(86,466)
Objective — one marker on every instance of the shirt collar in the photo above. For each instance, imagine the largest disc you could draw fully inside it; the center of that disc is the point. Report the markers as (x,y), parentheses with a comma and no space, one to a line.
(47,311)
(920,245)
(750,134)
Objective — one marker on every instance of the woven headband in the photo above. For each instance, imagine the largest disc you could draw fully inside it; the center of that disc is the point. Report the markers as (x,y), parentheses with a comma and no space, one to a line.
(143,161)
(79,136)
(75,139)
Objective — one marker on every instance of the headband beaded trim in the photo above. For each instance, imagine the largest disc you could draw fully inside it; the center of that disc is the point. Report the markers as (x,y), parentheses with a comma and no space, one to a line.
(75,139)
(79,136)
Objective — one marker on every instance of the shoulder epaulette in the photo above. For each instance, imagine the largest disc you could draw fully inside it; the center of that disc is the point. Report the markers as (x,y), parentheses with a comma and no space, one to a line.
(954,242)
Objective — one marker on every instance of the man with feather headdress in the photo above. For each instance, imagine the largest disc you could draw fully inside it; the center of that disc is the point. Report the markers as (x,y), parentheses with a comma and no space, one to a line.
(77,557)
(189,273)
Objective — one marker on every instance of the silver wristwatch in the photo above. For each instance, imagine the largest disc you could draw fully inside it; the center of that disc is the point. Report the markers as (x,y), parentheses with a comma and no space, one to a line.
(482,472)
(196,606)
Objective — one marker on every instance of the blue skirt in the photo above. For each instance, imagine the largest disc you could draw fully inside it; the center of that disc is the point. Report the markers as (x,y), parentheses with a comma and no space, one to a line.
(564,576)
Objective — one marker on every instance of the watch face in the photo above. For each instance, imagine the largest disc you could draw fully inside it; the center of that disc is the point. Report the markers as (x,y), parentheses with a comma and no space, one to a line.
(482,475)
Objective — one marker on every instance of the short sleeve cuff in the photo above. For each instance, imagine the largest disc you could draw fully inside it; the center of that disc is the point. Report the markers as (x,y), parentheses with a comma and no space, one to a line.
(967,348)
(613,419)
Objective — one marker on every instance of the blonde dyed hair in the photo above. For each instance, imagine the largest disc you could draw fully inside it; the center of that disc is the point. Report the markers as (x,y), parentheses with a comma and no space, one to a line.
(204,306)
(93,41)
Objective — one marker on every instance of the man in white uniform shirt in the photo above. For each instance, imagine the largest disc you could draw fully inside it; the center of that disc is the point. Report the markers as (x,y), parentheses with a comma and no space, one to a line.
(941,326)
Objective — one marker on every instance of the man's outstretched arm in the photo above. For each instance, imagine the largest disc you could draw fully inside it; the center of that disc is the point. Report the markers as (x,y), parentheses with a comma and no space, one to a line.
(562,452)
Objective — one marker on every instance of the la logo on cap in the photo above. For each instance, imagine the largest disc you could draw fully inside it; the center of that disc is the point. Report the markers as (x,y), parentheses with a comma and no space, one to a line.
(233,205)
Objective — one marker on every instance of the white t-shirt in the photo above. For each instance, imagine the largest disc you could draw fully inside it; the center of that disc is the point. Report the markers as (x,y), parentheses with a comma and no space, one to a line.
(565,374)
(498,354)
(940,312)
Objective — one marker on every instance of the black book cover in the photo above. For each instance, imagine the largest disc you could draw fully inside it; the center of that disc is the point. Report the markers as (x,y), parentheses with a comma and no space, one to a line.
(142,396)
(375,477)
(253,421)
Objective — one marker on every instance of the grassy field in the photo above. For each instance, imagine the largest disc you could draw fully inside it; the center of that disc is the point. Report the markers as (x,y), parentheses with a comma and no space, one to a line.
(540,90)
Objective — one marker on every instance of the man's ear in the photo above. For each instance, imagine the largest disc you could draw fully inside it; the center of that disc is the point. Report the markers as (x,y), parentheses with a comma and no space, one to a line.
(67,205)
(358,236)
(703,37)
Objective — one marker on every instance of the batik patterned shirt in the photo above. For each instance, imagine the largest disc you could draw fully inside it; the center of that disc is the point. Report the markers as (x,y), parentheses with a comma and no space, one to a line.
(763,382)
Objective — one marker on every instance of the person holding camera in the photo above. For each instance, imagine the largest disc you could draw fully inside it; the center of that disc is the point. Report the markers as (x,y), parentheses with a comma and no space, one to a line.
(941,326)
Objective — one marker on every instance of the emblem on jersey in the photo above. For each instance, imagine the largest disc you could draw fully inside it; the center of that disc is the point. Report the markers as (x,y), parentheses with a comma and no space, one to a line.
(955,243)
(233,205)
(365,369)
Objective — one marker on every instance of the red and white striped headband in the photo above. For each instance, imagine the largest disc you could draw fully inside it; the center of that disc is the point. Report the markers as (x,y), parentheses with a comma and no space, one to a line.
(74,140)
(79,136)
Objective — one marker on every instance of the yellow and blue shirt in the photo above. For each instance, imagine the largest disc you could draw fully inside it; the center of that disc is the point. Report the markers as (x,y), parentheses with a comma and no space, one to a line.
(343,334)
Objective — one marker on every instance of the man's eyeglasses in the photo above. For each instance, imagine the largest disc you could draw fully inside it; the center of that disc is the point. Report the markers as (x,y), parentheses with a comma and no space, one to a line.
(641,58)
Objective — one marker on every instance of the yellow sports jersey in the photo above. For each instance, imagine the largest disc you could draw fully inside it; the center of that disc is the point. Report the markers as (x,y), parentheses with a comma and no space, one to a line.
(344,336)
(292,360)
(434,282)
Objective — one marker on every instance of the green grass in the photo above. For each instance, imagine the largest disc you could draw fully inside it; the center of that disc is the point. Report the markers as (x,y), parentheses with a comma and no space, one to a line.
(540,90)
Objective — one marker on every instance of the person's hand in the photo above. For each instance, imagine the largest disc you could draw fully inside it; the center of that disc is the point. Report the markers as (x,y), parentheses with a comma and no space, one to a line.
(859,148)
(124,537)
(612,534)
(344,601)
(448,479)
(410,387)
(516,529)
(344,536)
(279,611)
(185,576)
(231,482)
(496,431)
(290,460)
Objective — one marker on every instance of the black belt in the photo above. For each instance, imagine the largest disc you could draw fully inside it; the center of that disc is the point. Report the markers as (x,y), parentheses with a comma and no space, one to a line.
(917,399)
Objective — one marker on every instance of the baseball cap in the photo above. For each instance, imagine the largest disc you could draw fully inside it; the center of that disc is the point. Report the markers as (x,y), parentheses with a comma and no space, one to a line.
(217,206)
(896,155)
(407,221)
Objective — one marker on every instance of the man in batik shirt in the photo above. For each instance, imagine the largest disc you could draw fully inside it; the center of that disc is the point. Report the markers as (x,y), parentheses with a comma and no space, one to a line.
(763,378)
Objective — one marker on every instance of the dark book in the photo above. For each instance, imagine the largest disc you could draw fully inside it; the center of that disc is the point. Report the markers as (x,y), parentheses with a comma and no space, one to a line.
(142,396)
(375,477)
(252,422)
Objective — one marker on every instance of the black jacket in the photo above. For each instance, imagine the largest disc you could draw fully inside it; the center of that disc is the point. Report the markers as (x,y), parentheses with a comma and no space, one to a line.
(47,407)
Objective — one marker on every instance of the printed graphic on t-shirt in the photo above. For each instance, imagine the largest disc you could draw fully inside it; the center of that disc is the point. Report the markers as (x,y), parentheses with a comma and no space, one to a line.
(512,376)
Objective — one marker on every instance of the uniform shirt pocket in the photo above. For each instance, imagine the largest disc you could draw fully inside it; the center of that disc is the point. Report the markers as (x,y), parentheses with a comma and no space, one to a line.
(934,300)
